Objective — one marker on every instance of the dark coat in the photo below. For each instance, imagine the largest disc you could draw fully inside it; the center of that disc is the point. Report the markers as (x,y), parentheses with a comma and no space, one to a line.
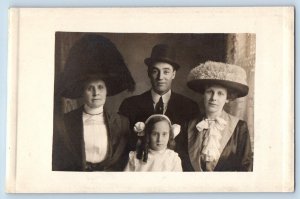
(138,108)
(235,156)
(68,145)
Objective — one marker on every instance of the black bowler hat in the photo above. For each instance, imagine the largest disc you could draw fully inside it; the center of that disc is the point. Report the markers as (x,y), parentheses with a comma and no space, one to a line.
(94,57)
(162,53)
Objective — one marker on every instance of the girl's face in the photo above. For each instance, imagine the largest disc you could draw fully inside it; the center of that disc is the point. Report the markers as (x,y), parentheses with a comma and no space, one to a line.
(159,136)
(215,98)
(94,94)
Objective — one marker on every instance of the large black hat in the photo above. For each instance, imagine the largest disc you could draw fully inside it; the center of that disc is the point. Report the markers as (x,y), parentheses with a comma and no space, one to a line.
(94,56)
(230,76)
(162,53)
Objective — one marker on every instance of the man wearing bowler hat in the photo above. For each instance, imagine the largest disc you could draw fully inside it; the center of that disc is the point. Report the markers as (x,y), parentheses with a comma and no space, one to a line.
(160,99)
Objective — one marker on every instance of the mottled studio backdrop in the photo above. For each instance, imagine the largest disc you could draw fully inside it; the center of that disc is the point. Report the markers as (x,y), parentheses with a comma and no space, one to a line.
(191,49)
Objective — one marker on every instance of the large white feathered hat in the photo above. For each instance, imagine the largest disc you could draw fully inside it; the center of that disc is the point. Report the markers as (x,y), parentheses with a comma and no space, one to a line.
(230,76)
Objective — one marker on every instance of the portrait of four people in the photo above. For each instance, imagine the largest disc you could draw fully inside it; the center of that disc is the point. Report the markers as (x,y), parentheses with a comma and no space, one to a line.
(156,130)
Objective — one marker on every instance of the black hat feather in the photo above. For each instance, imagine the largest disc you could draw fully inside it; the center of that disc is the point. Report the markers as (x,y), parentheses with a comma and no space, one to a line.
(94,56)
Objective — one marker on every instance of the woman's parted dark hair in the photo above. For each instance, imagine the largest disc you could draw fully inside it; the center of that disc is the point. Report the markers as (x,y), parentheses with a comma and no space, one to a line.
(92,78)
(231,95)
(143,148)
(81,84)
(94,54)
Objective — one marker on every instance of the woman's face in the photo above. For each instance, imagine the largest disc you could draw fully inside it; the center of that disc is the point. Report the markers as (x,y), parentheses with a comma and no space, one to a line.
(159,136)
(94,93)
(215,97)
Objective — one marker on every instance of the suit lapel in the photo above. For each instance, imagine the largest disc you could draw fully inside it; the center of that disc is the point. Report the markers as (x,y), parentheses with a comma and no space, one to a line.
(226,135)
(146,104)
(171,108)
(76,136)
(194,143)
(109,121)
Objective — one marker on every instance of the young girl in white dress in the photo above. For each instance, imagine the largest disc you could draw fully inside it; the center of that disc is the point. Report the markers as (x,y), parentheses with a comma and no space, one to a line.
(154,152)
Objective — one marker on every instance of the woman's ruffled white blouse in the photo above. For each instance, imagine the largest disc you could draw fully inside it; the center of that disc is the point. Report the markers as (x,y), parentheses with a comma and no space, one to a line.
(212,135)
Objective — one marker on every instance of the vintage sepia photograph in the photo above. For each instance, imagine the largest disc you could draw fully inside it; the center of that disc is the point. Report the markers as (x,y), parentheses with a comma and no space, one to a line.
(150,100)
(154,102)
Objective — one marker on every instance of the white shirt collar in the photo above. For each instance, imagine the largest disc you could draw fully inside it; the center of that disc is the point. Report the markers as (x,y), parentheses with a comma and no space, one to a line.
(93,111)
(157,152)
(166,97)
(91,115)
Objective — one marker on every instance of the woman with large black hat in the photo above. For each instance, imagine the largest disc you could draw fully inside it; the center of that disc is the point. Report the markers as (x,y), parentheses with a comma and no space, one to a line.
(91,137)
(216,140)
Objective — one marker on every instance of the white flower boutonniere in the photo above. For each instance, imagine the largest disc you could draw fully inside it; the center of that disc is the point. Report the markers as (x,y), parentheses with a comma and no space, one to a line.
(139,128)
(176,129)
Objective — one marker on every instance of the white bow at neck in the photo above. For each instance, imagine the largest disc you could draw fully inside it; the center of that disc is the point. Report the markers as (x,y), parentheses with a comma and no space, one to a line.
(212,135)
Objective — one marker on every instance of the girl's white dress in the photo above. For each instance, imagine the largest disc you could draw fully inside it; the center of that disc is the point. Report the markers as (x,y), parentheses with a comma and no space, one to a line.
(164,160)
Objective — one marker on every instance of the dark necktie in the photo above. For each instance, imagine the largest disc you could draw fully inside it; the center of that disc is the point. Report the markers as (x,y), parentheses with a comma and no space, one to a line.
(159,108)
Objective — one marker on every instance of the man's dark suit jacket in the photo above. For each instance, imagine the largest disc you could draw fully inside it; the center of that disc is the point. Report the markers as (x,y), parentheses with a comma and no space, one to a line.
(138,108)
(68,143)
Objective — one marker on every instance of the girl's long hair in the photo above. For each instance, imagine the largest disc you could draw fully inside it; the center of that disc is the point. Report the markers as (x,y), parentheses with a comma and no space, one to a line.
(143,148)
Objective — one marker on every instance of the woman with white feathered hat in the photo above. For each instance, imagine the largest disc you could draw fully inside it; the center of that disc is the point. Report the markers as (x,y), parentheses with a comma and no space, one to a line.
(216,140)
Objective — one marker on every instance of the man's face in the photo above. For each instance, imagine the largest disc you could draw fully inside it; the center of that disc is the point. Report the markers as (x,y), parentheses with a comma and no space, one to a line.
(161,75)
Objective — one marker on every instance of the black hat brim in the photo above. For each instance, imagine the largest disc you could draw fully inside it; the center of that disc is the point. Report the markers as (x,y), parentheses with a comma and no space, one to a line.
(94,55)
(73,89)
(150,61)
